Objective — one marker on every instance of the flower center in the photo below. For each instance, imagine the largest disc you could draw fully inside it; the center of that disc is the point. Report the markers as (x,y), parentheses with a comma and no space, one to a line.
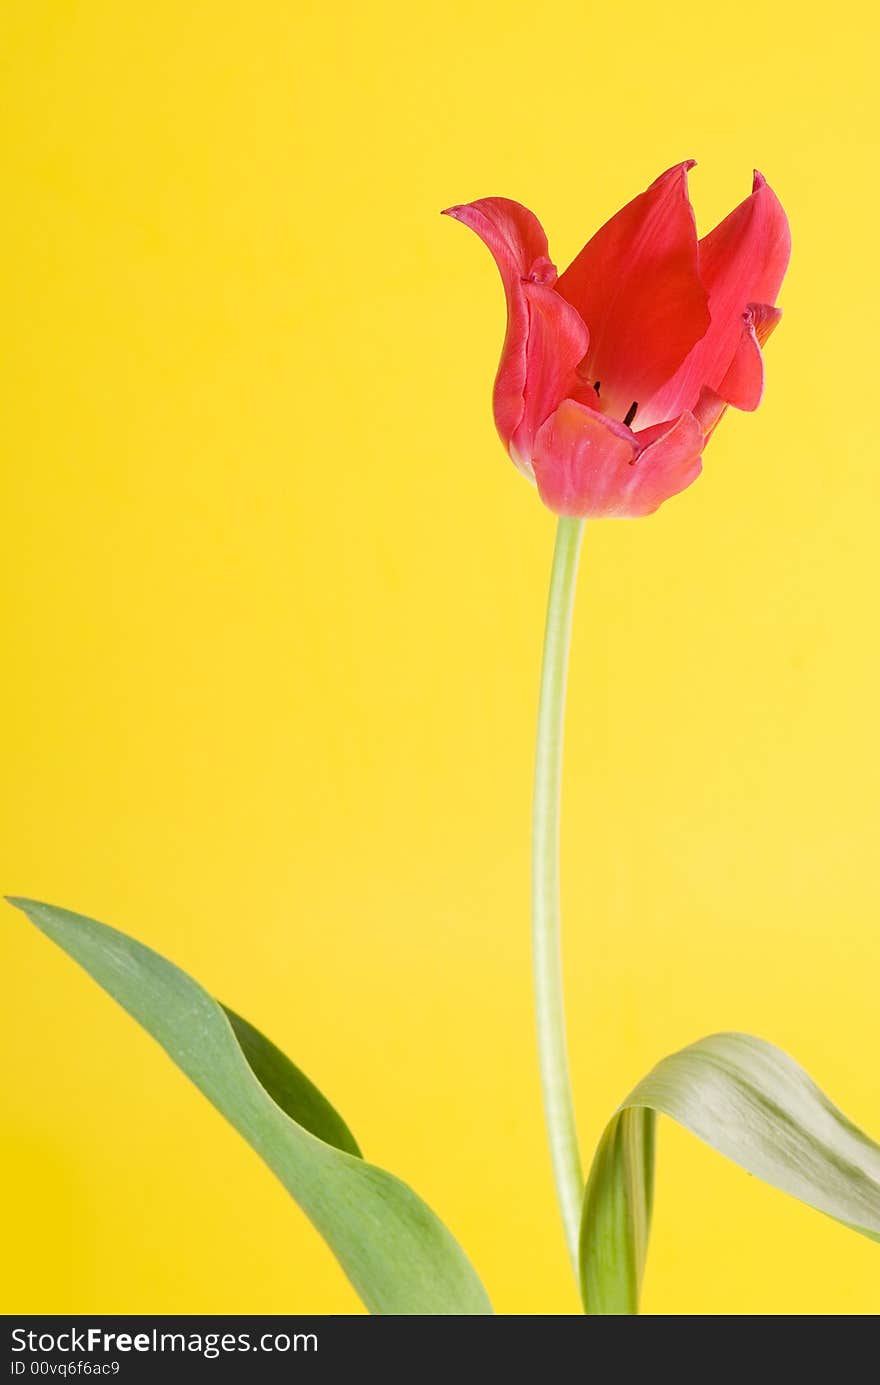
(631,411)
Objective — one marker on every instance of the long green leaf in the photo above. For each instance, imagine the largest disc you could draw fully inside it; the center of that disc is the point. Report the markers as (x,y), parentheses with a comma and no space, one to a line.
(754,1104)
(400,1258)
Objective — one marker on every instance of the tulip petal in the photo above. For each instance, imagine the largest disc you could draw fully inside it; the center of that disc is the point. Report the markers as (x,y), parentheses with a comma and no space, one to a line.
(556,344)
(517,241)
(637,286)
(669,464)
(742,261)
(581,459)
(589,465)
(709,410)
(743,383)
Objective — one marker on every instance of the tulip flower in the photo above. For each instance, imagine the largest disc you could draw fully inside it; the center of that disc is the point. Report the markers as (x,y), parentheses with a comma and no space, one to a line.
(614,374)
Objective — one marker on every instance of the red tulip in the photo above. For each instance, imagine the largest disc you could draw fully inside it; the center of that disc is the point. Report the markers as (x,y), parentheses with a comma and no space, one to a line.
(648,327)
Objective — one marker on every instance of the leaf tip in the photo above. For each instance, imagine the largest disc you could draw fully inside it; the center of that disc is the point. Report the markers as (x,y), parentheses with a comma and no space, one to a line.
(19,902)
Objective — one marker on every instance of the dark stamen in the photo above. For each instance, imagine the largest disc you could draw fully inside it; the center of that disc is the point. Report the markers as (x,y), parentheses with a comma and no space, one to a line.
(596,386)
(630,413)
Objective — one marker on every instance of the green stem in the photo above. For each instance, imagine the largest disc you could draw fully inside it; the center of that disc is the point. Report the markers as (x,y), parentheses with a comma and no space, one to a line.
(547,959)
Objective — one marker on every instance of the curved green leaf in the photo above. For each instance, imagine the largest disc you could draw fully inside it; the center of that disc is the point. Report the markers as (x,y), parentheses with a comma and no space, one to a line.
(398,1255)
(751,1102)
(289,1087)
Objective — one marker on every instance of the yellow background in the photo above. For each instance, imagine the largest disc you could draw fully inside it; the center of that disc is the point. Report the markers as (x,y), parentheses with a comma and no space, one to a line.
(274,600)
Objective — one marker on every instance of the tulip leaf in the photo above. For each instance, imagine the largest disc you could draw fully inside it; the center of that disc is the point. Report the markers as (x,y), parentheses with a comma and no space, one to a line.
(398,1255)
(752,1103)
(289,1088)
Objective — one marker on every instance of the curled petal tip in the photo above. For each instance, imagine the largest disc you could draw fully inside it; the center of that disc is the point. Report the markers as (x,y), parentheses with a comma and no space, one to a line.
(679,170)
(758,180)
(763,318)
